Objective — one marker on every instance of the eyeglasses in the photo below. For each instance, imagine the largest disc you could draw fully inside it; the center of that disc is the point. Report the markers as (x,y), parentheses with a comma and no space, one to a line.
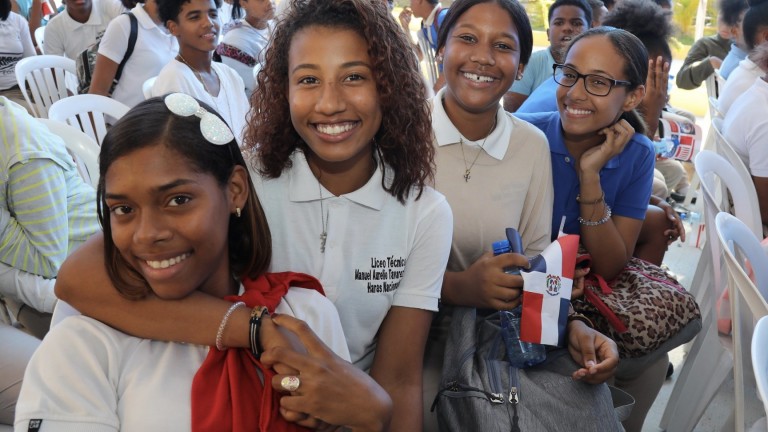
(597,85)
(214,130)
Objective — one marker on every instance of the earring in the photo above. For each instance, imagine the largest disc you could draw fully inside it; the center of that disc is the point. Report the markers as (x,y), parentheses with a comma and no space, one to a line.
(439,58)
(519,77)
(237,212)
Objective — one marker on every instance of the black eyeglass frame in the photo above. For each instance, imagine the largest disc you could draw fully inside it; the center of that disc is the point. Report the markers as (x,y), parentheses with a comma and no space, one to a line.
(613,82)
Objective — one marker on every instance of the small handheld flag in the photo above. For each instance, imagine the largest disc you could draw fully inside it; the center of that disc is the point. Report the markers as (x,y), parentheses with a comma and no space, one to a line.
(547,292)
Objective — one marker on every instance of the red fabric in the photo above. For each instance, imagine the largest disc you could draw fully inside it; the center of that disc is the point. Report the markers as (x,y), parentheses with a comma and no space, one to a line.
(227,393)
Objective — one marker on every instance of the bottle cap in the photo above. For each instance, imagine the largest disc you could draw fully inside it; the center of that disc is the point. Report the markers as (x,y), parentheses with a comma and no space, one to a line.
(500,247)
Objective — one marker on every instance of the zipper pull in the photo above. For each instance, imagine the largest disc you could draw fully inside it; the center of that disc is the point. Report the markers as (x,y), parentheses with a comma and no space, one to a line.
(513,399)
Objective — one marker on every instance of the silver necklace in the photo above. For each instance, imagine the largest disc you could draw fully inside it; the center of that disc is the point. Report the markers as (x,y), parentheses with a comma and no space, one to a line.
(468,169)
(323,218)
(198,75)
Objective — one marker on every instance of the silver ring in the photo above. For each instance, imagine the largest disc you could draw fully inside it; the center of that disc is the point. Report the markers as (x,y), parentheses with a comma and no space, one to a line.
(290,383)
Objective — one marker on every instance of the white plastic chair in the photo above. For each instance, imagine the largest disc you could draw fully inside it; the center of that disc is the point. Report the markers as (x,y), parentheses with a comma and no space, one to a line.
(146,88)
(707,357)
(760,361)
(86,112)
(80,146)
(46,76)
(40,38)
(739,243)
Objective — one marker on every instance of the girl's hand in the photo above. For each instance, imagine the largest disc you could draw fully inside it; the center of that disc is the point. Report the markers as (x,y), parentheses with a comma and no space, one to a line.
(593,350)
(616,138)
(578,282)
(492,288)
(331,391)
(656,85)
(676,229)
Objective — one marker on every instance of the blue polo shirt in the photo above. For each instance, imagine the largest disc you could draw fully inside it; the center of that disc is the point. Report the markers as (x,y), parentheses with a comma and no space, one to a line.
(626,179)
(543,99)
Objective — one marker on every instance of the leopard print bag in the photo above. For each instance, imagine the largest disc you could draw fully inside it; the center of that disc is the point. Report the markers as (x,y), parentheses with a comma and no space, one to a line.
(643,307)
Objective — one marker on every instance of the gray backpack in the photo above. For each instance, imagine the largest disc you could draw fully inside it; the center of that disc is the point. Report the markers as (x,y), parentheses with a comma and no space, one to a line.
(481,391)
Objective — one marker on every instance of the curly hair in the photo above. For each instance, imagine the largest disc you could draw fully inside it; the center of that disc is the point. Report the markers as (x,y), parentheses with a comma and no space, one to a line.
(648,21)
(404,139)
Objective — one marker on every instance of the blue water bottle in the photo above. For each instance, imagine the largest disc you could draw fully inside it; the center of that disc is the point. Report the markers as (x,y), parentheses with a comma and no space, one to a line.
(520,354)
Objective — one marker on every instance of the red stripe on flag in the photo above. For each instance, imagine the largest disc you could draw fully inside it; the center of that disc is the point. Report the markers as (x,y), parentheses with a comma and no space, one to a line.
(570,247)
(530,322)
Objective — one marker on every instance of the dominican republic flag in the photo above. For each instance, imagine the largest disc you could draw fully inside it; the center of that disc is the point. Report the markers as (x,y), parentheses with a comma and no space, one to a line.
(547,292)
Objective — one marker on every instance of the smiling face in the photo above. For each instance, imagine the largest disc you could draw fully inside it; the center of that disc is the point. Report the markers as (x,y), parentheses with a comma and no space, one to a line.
(197,26)
(566,22)
(332,95)
(481,59)
(170,221)
(582,114)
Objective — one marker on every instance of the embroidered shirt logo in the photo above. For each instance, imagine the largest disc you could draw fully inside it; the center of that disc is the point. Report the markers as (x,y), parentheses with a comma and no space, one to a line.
(553,284)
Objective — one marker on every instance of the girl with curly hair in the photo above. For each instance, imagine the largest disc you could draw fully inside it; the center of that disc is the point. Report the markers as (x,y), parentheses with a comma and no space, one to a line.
(344,166)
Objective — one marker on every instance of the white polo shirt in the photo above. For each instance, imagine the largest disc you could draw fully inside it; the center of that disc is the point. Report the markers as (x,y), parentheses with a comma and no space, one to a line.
(154,48)
(379,253)
(104,380)
(67,37)
(738,82)
(746,128)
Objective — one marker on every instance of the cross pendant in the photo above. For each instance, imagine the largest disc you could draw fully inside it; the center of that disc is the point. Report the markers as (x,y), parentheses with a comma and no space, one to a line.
(466,176)
(323,237)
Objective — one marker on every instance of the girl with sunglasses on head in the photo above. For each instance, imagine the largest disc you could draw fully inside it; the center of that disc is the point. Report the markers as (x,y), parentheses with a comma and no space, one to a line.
(196,26)
(343,165)
(180,216)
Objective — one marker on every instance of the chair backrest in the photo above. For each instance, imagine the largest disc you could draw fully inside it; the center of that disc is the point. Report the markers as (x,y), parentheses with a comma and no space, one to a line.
(80,146)
(40,38)
(86,112)
(760,359)
(46,76)
(714,113)
(711,84)
(146,88)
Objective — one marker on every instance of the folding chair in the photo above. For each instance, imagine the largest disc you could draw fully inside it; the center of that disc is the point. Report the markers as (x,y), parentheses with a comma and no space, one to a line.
(86,112)
(47,77)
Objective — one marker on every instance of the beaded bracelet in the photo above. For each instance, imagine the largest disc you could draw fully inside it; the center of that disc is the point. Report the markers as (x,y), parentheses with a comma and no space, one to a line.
(575,316)
(254,325)
(595,202)
(220,334)
(605,218)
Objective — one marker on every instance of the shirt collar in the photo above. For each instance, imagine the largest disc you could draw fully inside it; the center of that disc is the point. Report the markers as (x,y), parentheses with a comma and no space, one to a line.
(304,186)
(143,18)
(431,18)
(496,143)
(93,20)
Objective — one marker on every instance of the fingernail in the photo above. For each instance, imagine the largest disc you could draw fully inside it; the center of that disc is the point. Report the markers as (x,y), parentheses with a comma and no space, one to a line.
(590,363)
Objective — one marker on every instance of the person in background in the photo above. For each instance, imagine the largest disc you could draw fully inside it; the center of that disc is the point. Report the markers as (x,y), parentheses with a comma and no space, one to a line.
(80,25)
(599,11)
(15,44)
(745,127)
(196,25)
(154,48)
(704,57)
(755,31)
(732,15)
(425,46)
(245,39)
(567,19)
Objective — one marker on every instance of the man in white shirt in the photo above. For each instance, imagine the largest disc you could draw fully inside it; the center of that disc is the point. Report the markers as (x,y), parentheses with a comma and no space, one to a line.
(79,26)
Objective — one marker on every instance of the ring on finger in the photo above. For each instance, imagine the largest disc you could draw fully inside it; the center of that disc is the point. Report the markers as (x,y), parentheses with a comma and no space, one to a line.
(290,383)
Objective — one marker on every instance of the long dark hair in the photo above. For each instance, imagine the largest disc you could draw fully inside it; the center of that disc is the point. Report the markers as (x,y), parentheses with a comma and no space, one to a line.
(635,57)
(151,123)
(5,9)
(755,18)
(404,140)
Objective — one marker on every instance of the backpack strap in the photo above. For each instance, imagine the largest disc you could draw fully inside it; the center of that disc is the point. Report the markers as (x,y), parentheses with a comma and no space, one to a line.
(131,44)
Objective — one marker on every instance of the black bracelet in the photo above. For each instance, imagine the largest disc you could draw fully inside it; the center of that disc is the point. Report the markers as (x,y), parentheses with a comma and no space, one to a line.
(254,326)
